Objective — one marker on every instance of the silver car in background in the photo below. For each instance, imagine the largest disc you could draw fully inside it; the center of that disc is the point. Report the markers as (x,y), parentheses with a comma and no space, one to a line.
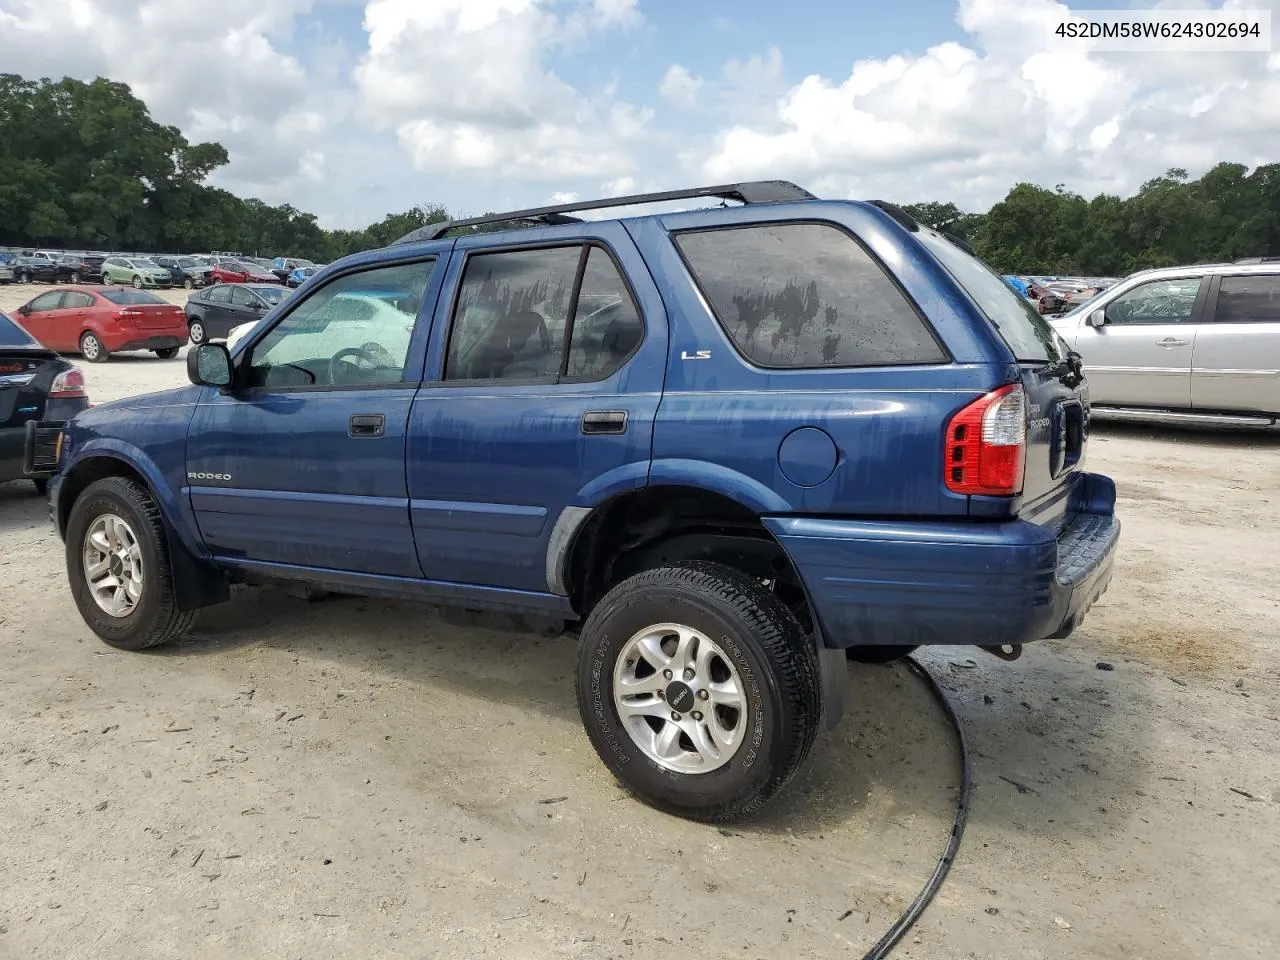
(1183,344)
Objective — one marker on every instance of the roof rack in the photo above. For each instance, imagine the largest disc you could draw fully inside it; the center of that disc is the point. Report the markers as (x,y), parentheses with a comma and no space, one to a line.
(751,192)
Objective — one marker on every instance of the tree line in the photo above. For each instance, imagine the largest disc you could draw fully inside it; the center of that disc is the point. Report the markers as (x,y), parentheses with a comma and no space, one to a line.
(85,165)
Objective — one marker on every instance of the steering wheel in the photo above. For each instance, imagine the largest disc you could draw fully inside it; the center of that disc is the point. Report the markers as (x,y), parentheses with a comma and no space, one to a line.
(352,358)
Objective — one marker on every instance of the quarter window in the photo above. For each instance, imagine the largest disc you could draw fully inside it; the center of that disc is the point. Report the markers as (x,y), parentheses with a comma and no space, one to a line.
(1157,301)
(353,330)
(805,295)
(1248,299)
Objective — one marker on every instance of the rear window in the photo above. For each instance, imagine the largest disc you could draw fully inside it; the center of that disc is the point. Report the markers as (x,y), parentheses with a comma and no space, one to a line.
(12,335)
(131,297)
(1249,299)
(805,295)
(1026,333)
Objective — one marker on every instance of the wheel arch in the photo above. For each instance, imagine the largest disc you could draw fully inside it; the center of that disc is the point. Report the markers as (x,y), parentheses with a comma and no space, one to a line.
(196,582)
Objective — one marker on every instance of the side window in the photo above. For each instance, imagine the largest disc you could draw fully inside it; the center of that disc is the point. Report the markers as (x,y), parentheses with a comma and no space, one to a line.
(511,314)
(606,325)
(241,297)
(1158,301)
(218,294)
(805,295)
(46,301)
(1249,300)
(354,330)
(77,300)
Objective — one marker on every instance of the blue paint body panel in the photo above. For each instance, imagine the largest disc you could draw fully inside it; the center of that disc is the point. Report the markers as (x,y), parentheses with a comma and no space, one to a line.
(457,499)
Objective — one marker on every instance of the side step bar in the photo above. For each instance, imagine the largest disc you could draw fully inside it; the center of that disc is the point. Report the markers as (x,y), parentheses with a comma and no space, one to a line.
(1138,414)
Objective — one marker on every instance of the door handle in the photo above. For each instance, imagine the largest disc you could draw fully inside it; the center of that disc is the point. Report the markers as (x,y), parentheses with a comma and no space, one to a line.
(595,422)
(367,425)
(1172,342)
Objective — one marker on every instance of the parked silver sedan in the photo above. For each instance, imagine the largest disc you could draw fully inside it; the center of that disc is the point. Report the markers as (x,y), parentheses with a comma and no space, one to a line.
(1194,344)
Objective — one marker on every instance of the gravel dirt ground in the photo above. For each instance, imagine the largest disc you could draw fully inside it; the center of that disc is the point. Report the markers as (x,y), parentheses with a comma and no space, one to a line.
(353,778)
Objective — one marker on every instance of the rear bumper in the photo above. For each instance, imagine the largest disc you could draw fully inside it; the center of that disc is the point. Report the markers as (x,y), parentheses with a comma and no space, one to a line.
(985,584)
(164,341)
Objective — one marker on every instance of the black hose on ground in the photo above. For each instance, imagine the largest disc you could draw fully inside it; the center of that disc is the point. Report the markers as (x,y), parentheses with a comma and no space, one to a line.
(917,907)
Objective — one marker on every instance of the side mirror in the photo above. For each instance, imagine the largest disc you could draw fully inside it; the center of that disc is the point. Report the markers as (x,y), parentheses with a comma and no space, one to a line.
(209,365)
(25,309)
(1098,318)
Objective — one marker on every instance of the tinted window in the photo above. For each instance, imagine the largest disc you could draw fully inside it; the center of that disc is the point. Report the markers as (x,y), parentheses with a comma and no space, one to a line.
(1249,300)
(12,335)
(1157,301)
(77,300)
(511,314)
(806,295)
(341,334)
(46,301)
(243,298)
(217,294)
(1026,333)
(606,325)
(133,297)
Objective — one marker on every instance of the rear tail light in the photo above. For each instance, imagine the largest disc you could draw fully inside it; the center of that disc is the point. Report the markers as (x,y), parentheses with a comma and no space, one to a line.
(128,314)
(986,451)
(68,384)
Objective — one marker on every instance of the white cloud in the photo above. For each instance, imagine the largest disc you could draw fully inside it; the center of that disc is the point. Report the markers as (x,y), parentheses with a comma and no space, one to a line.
(214,74)
(680,86)
(966,121)
(466,86)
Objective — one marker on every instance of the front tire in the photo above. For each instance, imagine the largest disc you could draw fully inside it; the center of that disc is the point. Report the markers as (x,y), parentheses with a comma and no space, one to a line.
(92,349)
(118,566)
(188,284)
(167,353)
(195,332)
(75,276)
(137,283)
(737,714)
(24,277)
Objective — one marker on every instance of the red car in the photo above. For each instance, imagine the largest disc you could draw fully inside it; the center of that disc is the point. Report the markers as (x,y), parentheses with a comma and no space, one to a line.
(237,271)
(99,322)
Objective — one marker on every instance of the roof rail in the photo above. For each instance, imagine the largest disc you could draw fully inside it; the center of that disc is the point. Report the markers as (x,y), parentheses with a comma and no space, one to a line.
(751,192)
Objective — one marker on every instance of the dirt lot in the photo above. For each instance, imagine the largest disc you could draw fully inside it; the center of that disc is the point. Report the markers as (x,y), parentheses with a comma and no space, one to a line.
(353,778)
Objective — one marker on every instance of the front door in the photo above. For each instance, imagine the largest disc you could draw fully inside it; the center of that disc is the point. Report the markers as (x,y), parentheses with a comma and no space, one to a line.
(543,385)
(1141,357)
(1236,365)
(303,464)
(45,320)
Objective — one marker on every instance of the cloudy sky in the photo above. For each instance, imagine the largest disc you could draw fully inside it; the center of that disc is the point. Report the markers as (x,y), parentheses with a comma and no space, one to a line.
(355,108)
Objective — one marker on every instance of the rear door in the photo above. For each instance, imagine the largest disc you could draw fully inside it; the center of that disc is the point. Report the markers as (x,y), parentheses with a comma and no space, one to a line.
(217,312)
(544,375)
(1236,361)
(1141,357)
(71,318)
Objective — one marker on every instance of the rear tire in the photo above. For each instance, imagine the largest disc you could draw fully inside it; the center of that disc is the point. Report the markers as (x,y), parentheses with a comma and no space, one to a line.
(92,349)
(750,642)
(876,654)
(195,332)
(154,617)
(168,353)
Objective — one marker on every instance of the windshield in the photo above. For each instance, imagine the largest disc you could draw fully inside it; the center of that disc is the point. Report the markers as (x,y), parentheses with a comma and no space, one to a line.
(12,335)
(147,264)
(187,263)
(1024,331)
(272,295)
(131,297)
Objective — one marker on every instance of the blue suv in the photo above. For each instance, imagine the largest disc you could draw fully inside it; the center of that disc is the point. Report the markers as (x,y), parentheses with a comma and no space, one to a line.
(728,447)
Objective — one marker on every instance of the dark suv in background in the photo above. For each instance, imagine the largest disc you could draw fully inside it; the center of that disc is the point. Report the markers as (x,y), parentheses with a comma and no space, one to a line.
(185,272)
(728,447)
(79,268)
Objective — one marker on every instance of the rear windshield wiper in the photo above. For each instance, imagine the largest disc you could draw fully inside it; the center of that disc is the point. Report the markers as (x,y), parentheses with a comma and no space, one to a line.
(1069,370)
